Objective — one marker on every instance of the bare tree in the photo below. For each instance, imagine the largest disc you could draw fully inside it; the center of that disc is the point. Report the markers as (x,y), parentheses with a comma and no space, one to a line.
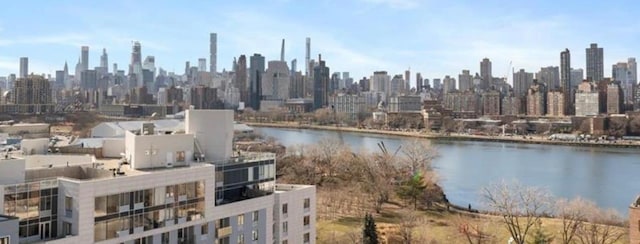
(418,155)
(600,226)
(521,207)
(406,226)
(474,233)
(572,214)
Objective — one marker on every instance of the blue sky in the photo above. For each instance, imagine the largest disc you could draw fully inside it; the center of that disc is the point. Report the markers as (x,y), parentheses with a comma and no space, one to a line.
(435,38)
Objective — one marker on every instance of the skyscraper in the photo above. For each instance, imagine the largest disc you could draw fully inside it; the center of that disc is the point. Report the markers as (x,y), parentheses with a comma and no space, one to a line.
(104,61)
(282,51)
(485,73)
(24,67)
(33,91)
(320,84)
(241,78)
(256,70)
(202,64)
(135,68)
(84,57)
(565,81)
(465,80)
(419,82)
(522,80)
(549,76)
(595,63)
(577,75)
(213,53)
(307,61)
(276,81)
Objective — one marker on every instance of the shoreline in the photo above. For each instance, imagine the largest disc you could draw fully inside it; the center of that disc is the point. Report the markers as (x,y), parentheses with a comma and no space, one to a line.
(457,137)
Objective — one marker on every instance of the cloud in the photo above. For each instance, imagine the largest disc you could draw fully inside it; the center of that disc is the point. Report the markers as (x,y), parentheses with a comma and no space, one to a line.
(395,4)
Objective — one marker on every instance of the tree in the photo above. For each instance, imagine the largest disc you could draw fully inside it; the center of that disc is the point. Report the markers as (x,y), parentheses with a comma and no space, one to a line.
(369,232)
(418,155)
(600,226)
(539,236)
(572,214)
(413,189)
(407,224)
(521,207)
(473,233)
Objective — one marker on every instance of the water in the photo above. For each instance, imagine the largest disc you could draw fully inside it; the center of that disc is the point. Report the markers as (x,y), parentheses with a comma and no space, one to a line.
(608,176)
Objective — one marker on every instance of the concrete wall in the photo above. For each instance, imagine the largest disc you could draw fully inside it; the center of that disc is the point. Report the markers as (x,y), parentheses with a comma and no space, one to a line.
(293,196)
(111,148)
(634,224)
(12,171)
(9,227)
(103,130)
(213,130)
(39,161)
(153,151)
(34,146)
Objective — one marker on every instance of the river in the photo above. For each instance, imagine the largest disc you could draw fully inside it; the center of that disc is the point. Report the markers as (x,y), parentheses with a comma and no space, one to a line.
(608,176)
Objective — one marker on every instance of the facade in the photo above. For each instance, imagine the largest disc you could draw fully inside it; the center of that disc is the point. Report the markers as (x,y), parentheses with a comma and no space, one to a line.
(104,61)
(380,82)
(491,102)
(84,57)
(595,62)
(511,105)
(213,53)
(549,76)
(348,104)
(634,221)
(626,75)
(522,80)
(256,71)
(465,81)
(485,73)
(187,187)
(405,104)
(396,85)
(565,81)
(615,102)
(276,81)
(24,67)
(320,84)
(463,102)
(241,78)
(32,95)
(577,76)
(203,97)
(587,101)
(555,104)
(448,84)
(536,96)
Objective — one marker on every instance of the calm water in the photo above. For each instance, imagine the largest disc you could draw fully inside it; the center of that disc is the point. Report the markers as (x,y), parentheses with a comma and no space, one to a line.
(608,176)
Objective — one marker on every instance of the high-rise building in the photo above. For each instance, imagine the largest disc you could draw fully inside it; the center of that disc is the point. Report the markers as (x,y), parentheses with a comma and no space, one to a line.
(615,102)
(104,61)
(203,97)
(419,82)
(88,80)
(213,53)
(241,78)
(135,68)
(320,84)
(380,81)
(307,60)
(396,85)
(465,80)
(511,105)
(282,51)
(587,101)
(549,76)
(84,56)
(407,78)
(522,81)
(565,81)
(24,67)
(202,64)
(595,62)
(256,71)
(485,73)
(555,104)
(536,96)
(624,74)
(577,76)
(491,102)
(448,84)
(276,81)
(32,95)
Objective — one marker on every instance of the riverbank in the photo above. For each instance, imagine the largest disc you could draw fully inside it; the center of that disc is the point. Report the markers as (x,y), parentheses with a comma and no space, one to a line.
(451,137)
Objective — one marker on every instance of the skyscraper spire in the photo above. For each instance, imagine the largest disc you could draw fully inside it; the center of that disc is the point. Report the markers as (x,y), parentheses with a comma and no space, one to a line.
(282,51)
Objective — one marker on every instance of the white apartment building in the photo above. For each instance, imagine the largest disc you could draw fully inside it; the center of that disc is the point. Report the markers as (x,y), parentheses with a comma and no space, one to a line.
(184,186)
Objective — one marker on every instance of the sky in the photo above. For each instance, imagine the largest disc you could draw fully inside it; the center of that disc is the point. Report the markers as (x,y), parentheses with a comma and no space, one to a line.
(435,38)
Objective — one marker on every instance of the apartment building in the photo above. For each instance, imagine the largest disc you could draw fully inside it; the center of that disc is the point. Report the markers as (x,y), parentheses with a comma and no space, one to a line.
(186,186)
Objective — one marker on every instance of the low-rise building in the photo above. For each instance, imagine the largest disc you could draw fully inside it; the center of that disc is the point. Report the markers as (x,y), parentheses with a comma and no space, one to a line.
(183,187)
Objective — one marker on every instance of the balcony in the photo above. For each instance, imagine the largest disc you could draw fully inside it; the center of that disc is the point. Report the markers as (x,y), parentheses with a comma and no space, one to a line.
(223,232)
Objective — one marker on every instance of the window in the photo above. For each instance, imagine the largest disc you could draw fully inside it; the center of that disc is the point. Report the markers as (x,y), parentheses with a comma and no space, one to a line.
(240,238)
(306,220)
(285,227)
(68,206)
(204,229)
(224,240)
(254,235)
(180,156)
(307,203)
(165,238)
(66,228)
(4,240)
(223,223)
(285,208)
(255,216)
(285,242)
(306,238)
(241,219)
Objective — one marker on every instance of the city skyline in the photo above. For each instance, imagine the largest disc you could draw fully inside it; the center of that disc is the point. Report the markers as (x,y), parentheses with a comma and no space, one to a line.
(357,37)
